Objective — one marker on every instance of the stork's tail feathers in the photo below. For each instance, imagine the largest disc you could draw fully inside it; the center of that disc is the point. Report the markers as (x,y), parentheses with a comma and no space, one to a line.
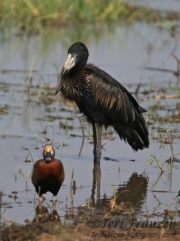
(136,135)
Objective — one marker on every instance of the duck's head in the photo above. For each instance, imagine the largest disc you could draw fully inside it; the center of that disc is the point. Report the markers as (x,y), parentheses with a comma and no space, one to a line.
(48,153)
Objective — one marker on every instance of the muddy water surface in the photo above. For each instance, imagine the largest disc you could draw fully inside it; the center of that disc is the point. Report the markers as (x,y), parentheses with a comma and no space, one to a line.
(31,116)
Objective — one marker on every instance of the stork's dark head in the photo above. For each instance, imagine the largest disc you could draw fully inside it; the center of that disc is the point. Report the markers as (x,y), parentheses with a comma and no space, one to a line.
(76,59)
(48,153)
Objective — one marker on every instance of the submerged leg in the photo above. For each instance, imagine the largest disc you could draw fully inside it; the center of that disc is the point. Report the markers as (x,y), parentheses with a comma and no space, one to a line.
(41,199)
(96,186)
(41,196)
(97,143)
(54,199)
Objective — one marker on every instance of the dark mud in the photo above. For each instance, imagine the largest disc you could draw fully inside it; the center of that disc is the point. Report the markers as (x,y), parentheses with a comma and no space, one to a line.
(57,232)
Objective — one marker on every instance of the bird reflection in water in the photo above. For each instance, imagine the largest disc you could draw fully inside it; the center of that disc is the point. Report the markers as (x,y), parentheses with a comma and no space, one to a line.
(43,215)
(133,192)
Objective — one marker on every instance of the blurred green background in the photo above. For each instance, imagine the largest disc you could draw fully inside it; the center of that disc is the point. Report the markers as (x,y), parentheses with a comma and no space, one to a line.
(35,14)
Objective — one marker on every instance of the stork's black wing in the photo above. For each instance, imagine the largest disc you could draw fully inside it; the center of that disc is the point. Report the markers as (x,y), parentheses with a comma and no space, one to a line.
(114,100)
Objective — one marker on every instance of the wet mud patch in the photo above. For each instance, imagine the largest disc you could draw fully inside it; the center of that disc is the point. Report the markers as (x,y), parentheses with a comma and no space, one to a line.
(55,231)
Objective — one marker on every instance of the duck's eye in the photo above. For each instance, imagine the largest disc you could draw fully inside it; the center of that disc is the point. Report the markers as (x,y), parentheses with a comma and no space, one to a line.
(77,52)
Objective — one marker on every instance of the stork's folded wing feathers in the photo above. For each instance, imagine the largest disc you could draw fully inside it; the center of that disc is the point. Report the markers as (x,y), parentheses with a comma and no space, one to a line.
(112,98)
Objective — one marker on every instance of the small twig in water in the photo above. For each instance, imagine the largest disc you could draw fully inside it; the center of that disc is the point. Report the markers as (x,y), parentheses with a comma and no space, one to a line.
(82,128)
(27,178)
(138,86)
(171,157)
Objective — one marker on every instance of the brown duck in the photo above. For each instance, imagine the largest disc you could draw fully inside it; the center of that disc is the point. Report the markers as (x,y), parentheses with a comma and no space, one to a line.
(48,174)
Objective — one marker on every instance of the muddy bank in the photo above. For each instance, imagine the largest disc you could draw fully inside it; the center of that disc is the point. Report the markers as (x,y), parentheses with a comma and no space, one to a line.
(57,232)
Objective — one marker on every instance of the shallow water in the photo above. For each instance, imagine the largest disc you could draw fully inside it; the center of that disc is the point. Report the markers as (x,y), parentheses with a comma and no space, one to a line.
(32,117)
(166,5)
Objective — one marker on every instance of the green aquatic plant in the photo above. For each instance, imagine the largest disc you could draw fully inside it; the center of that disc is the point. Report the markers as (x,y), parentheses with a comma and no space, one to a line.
(150,85)
(170,162)
(31,157)
(152,159)
(72,177)
(35,14)
(115,193)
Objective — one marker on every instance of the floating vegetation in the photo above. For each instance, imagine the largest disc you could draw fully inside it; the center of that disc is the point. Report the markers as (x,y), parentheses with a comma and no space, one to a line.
(171,119)
(4,110)
(65,125)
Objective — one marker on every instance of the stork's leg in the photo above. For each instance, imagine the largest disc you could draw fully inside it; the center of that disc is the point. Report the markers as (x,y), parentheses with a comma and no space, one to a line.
(97,143)
(94,138)
(99,129)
